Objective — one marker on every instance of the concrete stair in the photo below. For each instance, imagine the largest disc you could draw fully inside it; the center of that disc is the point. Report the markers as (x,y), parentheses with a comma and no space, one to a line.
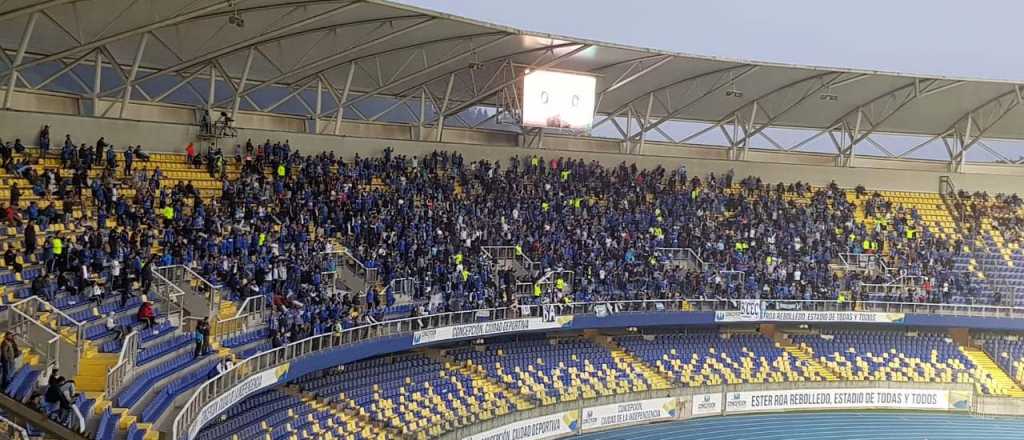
(480,379)
(628,362)
(802,354)
(1002,384)
(93,368)
(352,420)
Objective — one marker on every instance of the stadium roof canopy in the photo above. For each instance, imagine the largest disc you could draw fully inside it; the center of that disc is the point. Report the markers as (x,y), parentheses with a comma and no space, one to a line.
(388,61)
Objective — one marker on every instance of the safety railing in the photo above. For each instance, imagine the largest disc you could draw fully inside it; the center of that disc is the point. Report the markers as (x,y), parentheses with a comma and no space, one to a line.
(902,288)
(170,295)
(870,262)
(11,431)
(404,289)
(188,281)
(685,256)
(125,366)
(510,254)
(254,308)
(195,414)
(338,259)
(48,331)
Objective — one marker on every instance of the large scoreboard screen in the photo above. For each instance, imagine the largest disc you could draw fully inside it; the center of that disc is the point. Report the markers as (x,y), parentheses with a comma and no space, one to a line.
(558,99)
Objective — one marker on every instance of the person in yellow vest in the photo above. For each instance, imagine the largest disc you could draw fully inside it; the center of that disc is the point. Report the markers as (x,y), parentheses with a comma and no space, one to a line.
(866,245)
(874,246)
(565,175)
(911,233)
(545,206)
(535,161)
(577,202)
(560,284)
(465,275)
(695,193)
(519,250)
(841,300)
(168,216)
(458,258)
(280,170)
(58,250)
(263,238)
(536,290)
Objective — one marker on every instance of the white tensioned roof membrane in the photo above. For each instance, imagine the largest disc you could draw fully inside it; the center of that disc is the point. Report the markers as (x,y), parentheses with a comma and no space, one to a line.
(402,51)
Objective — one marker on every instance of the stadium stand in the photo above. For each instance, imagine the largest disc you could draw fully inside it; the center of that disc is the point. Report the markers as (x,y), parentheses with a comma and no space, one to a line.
(783,239)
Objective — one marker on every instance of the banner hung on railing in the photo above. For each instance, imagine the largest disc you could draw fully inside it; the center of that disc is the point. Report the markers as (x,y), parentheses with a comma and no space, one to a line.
(244,389)
(751,308)
(538,428)
(808,316)
(848,398)
(490,328)
(640,411)
(704,405)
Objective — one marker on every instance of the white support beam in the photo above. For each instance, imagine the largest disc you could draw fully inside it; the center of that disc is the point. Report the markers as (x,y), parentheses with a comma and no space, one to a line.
(615,113)
(170,21)
(67,68)
(211,88)
(241,84)
(430,69)
(97,83)
(340,55)
(18,57)
(722,84)
(297,90)
(131,75)
(623,81)
(319,108)
(340,111)
(292,30)
(31,9)
(439,127)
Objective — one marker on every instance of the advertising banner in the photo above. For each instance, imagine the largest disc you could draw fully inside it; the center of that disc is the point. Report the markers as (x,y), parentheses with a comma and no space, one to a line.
(640,411)
(537,428)
(843,398)
(806,316)
(706,405)
(490,328)
(244,389)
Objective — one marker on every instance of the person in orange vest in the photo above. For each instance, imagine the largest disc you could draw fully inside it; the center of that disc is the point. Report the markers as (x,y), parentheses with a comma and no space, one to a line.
(190,154)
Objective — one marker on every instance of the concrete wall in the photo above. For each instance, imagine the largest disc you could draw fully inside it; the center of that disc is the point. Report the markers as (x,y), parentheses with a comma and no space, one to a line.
(770,166)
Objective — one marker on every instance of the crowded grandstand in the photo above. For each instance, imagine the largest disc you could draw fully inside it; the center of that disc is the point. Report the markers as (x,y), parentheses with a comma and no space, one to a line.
(218,267)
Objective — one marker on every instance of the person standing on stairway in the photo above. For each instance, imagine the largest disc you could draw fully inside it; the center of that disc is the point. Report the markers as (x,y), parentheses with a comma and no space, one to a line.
(8,355)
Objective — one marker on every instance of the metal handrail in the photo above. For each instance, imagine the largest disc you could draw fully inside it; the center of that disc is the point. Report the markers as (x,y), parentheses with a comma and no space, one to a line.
(254,307)
(174,306)
(12,431)
(33,307)
(36,335)
(125,367)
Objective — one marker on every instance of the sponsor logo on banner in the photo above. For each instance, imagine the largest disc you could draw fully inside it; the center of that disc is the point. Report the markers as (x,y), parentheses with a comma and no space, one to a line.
(538,428)
(842,398)
(244,389)
(808,316)
(735,402)
(604,416)
(751,308)
(706,405)
(488,329)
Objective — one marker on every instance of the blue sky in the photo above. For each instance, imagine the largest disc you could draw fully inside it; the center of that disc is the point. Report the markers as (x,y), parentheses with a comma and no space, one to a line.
(942,37)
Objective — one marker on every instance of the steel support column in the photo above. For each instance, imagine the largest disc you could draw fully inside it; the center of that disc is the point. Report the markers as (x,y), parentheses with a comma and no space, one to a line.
(13,77)
(340,112)
(131,74)
(241,84)
(439,127)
